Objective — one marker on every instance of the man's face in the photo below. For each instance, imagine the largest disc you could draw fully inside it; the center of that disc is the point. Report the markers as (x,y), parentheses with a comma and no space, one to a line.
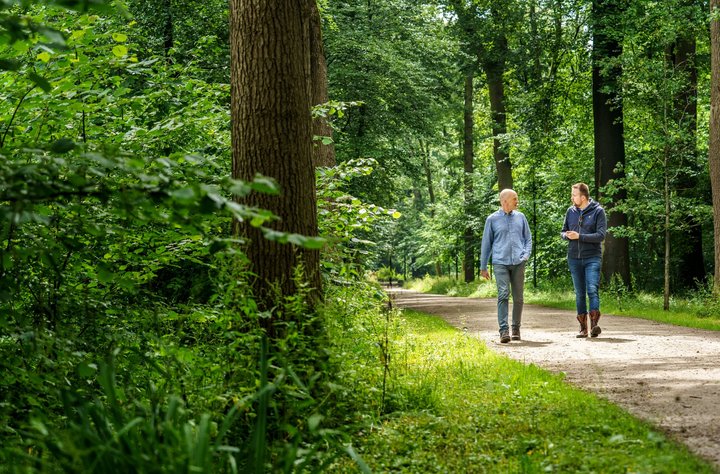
(510,203)
(576,197)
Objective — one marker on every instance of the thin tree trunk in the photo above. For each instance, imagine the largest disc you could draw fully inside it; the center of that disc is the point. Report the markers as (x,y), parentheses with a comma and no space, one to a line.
(469,256)
(666,273)
(428,176)
(272,136)
(425,150)
(168,37)
(324,154)
(714,148)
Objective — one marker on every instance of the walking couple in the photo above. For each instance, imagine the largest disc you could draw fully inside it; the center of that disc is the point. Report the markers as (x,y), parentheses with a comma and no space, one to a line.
(507,240)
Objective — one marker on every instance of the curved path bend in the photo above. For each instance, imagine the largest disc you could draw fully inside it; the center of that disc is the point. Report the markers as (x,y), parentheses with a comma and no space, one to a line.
(667,375)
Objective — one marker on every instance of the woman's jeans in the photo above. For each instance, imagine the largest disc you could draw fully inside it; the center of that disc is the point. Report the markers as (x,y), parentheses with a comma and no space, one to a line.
(509,278)
(586,280)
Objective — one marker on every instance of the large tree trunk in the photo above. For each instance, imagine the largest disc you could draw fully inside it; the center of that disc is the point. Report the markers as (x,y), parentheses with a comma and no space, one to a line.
(608,131)
(492,60)
(324,154)
(495,71)
(690,259)
(469,255)
(272,136)
(714,149)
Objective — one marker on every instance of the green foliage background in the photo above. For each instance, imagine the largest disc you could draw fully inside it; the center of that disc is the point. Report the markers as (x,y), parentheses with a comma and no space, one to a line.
(129,337)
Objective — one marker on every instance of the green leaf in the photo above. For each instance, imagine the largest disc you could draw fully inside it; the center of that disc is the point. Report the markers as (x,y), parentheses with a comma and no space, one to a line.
(314,422)
(44,56)
(41,82)
(87,5)
(55,36)
(119,37)
(77,34)
(265,185)
(218,245)
(9,65)
(62,145)
(86,370)
(274,235)
(314,243)
(240,188)
(7,261)
(39,426)
(120,51)
(361,464)
(104,274)
(184,195)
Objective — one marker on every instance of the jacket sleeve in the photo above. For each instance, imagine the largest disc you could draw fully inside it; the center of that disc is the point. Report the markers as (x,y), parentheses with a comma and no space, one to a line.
(486,247)
(565,227)
(600,229)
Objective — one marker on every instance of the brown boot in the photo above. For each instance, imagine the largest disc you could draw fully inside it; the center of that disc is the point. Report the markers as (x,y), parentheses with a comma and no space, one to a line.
(582,319)
(594,318)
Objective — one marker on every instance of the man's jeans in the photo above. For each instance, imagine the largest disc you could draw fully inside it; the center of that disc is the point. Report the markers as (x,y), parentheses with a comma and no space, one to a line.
(509,277)
(586,280)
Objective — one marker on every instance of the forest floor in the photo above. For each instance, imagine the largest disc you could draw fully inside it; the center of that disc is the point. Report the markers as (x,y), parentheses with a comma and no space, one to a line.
(666,375)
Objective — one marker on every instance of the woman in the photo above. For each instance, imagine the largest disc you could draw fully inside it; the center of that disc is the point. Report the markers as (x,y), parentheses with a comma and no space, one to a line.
(584,228)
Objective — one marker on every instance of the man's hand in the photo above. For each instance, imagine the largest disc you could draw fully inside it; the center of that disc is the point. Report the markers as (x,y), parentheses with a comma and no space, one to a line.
(572,235)
(485,274)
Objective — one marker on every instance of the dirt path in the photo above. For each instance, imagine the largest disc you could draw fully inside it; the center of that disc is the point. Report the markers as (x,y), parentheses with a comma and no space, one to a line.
(667,375)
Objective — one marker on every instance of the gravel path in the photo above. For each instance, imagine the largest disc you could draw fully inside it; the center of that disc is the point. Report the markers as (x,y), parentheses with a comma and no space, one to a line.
(667,375)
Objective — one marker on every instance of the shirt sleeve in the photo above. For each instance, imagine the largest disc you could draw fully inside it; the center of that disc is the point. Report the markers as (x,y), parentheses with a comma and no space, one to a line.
(527,244)
(487,241)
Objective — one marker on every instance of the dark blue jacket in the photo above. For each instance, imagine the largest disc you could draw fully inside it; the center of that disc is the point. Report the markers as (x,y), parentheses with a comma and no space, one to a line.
(592,225)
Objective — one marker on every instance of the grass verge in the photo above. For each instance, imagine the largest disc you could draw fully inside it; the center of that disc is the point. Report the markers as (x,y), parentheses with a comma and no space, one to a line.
(477,411)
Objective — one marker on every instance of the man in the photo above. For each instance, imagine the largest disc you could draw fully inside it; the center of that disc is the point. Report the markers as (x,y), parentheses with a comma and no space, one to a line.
(506,238)
(584,228)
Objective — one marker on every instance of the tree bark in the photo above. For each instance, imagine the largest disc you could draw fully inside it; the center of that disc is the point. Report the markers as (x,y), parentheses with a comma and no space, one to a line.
(714,146)
(469,255)
(495,70)
(272,136)
(425,151)
(492,60)
(609,133)
(324,154)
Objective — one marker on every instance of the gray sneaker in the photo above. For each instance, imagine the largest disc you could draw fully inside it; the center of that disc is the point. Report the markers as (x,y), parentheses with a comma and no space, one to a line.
(516,334)
(504,337)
